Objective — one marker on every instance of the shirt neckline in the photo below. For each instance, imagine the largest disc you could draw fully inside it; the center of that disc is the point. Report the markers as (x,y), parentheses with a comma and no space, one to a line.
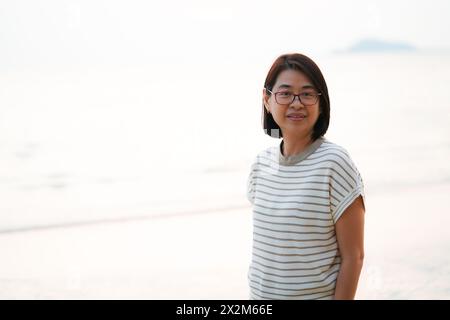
(296,158)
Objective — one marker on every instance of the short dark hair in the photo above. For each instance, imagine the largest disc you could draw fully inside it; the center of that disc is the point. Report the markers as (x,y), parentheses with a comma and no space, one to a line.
(299,62)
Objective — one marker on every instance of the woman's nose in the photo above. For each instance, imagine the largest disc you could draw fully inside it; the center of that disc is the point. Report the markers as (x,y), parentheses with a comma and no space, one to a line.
(295,103)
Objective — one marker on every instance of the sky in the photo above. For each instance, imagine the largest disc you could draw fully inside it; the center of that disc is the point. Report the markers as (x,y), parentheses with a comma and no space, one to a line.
(117,31)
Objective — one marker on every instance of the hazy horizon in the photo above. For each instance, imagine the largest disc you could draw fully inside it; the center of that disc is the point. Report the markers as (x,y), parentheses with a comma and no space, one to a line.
(117,32)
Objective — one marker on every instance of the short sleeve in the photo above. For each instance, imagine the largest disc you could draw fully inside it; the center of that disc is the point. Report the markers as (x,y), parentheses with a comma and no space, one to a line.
(251,180)
(346,184)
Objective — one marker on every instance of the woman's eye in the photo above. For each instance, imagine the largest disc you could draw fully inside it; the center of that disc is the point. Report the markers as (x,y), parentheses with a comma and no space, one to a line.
(285,94)
(306,94)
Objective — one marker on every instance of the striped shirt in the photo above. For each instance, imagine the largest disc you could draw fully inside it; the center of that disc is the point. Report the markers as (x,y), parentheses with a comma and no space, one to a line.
(296,202)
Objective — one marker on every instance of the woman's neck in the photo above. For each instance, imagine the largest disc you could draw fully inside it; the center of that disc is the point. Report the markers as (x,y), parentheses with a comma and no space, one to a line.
(295,145)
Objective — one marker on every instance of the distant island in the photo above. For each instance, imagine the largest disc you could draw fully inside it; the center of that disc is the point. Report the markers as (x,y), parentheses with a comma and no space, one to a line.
(375,45)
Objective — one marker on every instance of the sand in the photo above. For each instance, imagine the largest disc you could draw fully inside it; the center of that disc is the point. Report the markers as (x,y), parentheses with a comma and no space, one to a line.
(206,255)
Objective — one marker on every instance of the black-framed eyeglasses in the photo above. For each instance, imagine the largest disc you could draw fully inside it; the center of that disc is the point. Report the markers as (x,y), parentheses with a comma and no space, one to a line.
(307,98)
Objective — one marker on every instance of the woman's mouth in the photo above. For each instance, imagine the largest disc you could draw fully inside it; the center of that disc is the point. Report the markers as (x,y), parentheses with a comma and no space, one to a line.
(297,117)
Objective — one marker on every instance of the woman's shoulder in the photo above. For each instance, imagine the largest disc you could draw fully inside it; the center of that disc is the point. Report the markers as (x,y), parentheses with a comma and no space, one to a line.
(266,154)
(334,151)
(330,147)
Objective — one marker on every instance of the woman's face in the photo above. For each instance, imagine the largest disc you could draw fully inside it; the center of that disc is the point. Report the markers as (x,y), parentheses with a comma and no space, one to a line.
(296,82)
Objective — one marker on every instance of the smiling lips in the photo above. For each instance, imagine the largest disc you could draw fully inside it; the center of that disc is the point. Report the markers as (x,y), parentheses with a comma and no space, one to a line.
(296,116)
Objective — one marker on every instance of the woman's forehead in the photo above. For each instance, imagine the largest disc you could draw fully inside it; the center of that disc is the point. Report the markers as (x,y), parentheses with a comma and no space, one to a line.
(293,79)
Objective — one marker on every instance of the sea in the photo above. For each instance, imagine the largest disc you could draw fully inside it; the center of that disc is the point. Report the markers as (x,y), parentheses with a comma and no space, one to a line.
(90,144)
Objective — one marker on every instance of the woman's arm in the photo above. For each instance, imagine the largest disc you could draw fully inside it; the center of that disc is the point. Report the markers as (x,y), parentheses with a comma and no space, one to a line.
(350,237)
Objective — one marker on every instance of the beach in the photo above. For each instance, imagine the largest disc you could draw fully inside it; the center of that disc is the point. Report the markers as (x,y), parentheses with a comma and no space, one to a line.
(206,255)
(110,192)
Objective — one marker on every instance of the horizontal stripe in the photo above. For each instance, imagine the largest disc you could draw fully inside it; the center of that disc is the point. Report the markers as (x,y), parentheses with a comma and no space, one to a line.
(259,297)
(294,254)
(290,228)
(294,209)
(294,195)
(294,283)
(295,269)
(292,224)
(290,262)
(288,231)
(291,295)
(292,183)
(295,276)
(292,189)
(332,283)
(290,176)
(297,202)
(293,247)
(265,258)
(296,240)
(291,216)
(318,276)
(308,240)
(325,296)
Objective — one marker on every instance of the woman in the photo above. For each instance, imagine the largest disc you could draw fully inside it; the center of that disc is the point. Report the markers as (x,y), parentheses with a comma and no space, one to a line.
(307,194)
